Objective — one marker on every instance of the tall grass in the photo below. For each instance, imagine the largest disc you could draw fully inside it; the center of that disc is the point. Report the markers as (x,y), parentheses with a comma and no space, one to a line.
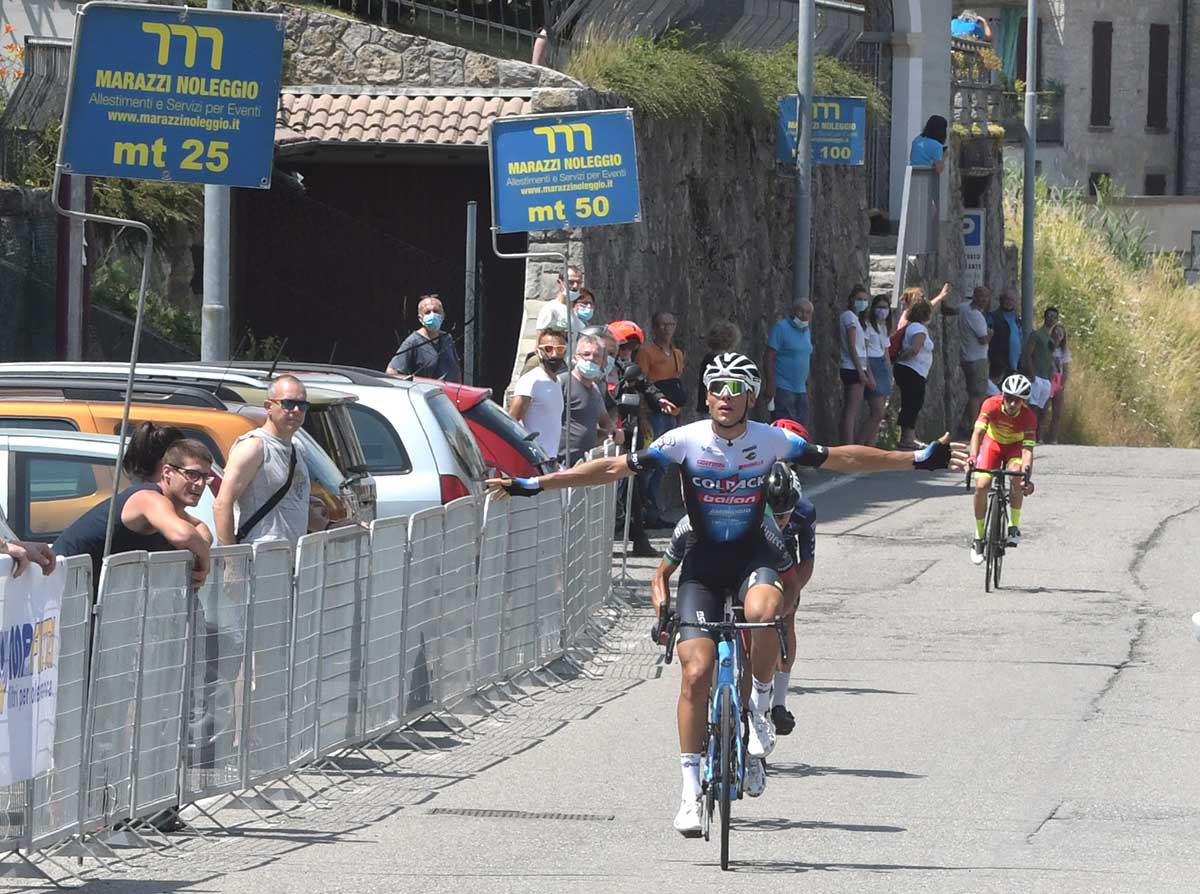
(1133,326)
(667,78)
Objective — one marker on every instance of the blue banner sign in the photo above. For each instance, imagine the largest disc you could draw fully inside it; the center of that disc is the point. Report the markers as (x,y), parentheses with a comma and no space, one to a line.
(839,130)
(173,93)
(577,169)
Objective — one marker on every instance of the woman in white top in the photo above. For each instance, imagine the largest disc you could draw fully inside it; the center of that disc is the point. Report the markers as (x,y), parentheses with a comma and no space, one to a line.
(877,328)
(855,372)
(1058,382)
(912,368)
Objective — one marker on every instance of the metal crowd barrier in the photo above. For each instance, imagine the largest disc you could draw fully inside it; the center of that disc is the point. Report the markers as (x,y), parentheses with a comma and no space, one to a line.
(168,695)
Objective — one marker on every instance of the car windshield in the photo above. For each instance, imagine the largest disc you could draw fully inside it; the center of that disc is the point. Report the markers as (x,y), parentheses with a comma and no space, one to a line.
(462,442)
(493,418)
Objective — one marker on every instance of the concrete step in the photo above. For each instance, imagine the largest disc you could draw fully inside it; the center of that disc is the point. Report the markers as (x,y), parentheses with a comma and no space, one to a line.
(883,264)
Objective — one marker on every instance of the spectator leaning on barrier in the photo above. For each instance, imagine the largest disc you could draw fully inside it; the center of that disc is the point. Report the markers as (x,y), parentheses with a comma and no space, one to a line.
(722,336)
(929,147)
(23,552)
(1038,361)
(265,494)
(151,515)
(1005,347)
(589,418)
(971,24)
(789,353)
(428,352)
(973,337)
(537,401)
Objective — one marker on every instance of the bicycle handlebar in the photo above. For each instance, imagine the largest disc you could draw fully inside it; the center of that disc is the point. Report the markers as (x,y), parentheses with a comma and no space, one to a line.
(675,624)
(1003,473)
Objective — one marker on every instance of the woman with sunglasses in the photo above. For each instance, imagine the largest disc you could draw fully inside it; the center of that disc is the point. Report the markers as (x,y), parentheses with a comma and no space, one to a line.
(152,514)
(725,464)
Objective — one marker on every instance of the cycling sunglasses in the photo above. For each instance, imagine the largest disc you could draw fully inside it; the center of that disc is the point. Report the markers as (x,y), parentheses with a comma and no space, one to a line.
(290,403)
(553,350)
(728,387)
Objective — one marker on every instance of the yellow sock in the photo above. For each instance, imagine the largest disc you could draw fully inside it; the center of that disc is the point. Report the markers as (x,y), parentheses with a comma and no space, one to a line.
(1014,517)
(979,528)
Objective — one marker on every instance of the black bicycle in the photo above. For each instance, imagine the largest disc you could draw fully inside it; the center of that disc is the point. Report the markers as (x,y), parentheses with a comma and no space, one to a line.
(995,525)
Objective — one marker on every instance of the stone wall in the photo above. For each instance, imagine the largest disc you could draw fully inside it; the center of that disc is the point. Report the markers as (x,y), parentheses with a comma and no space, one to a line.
(716,241)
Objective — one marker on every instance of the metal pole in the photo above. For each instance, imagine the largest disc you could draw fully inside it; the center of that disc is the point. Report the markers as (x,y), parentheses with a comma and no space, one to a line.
(801,261)
(77,200)
(214,315)
(1030,166)
(470,305)
(630,483)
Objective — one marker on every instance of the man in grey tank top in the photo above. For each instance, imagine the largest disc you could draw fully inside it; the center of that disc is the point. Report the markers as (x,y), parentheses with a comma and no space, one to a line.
(258,468)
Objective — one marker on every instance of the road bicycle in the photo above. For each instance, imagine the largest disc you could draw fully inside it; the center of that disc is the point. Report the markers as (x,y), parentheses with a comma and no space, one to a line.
(723,771)
(995,525)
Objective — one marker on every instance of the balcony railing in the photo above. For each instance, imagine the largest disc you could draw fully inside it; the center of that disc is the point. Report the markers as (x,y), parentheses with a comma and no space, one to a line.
(1049,117)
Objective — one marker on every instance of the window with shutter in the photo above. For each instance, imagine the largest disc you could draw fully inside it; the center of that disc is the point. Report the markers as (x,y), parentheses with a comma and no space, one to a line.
(1156,185)
(1156,92)
(1022,59)
(1102,34)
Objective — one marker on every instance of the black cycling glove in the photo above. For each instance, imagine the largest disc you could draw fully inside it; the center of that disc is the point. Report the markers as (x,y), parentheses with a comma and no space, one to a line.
(524,487)
(932,456)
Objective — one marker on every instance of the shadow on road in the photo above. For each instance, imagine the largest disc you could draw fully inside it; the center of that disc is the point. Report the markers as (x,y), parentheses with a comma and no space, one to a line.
(795,866)
(844,690)
(874,497)
(778,824)
(799,771)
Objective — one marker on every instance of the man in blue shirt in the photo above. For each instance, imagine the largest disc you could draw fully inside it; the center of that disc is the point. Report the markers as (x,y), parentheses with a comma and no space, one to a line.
(971,24)
(1004,350)
(789,352)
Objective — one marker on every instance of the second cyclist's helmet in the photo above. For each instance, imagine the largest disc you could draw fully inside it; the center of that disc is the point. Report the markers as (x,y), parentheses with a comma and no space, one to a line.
(793,426)
(732,365)
(1017,385)
(783,490)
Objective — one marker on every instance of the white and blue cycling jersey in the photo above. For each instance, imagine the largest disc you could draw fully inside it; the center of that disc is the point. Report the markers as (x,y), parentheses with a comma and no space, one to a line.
(724,481)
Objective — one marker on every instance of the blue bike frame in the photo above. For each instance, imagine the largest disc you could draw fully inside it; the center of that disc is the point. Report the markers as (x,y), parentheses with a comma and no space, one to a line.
(729,672)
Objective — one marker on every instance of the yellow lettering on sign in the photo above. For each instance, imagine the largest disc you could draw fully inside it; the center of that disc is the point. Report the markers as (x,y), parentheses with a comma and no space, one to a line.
(191,35)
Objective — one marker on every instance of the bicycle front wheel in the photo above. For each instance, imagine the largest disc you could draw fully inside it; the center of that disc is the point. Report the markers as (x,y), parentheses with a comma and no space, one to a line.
(1001,541)
(727,769)
(989,542)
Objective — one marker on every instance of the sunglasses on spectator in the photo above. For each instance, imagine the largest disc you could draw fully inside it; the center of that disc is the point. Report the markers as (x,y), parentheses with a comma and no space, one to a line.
(194,476)
(290,403)
(553,350)
(728,388)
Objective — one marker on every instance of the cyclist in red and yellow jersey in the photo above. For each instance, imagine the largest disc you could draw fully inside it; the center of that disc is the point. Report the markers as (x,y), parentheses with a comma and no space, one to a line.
(1004,437)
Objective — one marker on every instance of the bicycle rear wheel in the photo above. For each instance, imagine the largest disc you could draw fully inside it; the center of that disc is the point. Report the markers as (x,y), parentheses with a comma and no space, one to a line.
(727,768)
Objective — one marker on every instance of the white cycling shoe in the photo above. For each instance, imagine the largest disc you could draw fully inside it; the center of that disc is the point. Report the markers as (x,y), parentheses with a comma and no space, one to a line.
(756,777)
(761,741)
(687,820)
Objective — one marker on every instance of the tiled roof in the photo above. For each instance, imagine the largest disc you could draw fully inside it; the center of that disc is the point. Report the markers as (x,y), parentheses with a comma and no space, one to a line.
(366,118)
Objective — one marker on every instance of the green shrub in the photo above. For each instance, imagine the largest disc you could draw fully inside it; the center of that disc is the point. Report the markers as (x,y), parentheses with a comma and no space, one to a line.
(666,79)
(115,286)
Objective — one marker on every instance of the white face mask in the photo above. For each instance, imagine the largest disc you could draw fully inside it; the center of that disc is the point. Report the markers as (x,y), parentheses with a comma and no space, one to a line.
(861,304)
(800,324)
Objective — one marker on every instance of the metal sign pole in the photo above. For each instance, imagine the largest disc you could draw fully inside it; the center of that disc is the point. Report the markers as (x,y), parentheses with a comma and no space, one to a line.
(631,482)
(470,300)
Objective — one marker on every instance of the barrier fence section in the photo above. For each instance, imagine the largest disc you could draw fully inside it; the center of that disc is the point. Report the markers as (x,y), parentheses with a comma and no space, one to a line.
(169,694)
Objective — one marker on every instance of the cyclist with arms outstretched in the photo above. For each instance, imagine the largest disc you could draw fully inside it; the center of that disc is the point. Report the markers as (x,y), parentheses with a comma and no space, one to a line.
(725,464)
(1004,438)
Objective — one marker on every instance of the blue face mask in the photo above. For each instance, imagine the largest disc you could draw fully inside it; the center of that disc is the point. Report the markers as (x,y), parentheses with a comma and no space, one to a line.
(432,322)
(584,312)
(573,296)
(588,369)
(609,364)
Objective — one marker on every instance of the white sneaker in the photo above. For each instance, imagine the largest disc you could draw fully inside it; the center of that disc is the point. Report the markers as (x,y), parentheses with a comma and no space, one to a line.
(687,820)
(976,551)
(762,734)
(756,777)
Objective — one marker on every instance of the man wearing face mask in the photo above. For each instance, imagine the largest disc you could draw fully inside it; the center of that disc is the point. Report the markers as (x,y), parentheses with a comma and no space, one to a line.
(554,312)
(589,420)
(789,352)
(428,352)
(537,401)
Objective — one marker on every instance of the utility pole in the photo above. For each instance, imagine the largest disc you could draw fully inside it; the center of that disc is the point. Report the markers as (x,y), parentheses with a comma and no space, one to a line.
(802,261)
(214,314)
(1031,49)
(470,301)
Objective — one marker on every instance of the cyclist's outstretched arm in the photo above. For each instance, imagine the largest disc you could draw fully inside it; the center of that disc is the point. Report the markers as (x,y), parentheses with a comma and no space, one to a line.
(604,470)
(857,458)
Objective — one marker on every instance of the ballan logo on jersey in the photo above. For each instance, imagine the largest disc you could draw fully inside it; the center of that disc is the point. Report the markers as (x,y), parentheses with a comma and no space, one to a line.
(26,651)
(729,490)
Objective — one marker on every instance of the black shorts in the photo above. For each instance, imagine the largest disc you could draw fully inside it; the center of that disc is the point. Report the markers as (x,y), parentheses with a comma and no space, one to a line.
(850,376)
(710,572)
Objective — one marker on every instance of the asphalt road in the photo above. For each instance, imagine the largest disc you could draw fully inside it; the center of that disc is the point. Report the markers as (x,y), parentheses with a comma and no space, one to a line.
(1045,738)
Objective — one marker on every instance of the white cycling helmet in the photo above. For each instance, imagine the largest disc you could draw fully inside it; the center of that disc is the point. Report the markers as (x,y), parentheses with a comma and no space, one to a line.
(1017,385)
(732,365)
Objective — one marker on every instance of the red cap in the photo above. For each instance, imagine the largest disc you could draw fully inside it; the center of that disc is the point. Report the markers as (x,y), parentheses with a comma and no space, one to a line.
(626,330)
(794,427)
